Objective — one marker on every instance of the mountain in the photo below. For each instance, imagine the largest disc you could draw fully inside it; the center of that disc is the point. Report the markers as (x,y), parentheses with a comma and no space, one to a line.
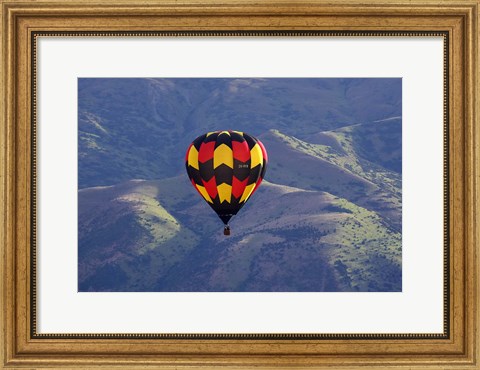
(140,128)
(379,142)
(326,218)
(306,241)
(337,168)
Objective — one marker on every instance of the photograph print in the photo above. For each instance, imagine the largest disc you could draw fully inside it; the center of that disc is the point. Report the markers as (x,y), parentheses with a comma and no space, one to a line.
(239,184)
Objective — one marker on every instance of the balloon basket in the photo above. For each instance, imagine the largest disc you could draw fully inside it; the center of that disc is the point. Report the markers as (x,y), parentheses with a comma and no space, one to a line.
(226,230)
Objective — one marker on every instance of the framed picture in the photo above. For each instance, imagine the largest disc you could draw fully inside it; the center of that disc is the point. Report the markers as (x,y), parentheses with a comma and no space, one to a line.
(239,185)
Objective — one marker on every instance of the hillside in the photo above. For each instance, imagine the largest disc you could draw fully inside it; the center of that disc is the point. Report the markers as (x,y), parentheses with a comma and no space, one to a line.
(379,142)
(336,168)
(140,128)
(328,216)
(307,241)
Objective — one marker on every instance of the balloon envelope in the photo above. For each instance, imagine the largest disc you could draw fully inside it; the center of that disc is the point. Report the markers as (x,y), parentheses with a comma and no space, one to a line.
(226,167)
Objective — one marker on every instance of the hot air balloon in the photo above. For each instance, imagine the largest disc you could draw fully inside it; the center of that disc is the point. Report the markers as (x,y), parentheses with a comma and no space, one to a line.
(226,167)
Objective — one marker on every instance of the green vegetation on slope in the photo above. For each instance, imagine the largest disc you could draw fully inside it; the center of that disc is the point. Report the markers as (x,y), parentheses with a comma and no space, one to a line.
(337,169)
(139,239)
(307,241)
(328,218)
(359,241)
(347,159)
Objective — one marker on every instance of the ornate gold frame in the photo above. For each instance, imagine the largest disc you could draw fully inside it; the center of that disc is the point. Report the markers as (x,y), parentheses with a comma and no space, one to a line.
(22,347)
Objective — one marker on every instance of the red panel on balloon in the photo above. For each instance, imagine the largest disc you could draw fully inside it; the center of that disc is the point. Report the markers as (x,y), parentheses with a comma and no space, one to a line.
(240,151)
(206,151)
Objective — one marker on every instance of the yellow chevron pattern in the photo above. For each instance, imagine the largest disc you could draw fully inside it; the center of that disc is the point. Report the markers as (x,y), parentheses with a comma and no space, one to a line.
(246,193)
(223,155)
(193,157)
(225,187)
(256,156)
(204,193)
(224,192)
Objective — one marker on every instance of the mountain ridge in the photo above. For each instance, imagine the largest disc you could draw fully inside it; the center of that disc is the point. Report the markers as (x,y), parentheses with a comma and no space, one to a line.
(326,218)
(263,230)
